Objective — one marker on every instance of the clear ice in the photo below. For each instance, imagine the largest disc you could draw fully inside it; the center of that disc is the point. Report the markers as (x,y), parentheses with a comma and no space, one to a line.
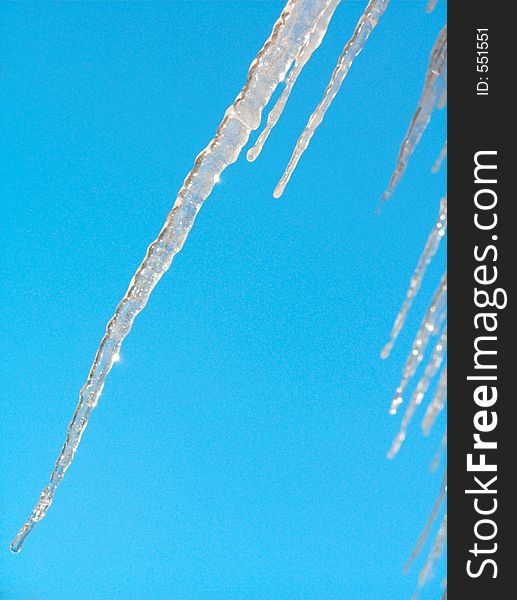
(288,38)
(295,37)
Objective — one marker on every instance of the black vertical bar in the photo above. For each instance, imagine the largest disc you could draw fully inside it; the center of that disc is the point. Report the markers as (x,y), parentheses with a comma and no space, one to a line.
(480,120)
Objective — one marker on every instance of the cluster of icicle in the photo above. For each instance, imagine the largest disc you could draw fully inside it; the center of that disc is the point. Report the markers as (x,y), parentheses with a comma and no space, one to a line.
(296,35)
(434,94)
(434,322)
(366,24)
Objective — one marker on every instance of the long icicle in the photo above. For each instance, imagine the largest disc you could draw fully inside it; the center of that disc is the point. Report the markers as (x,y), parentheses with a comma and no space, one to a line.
(437,403)
(430,371)
(311,45)
(365,26)
(430,249)
(266,71)
(428,327)
(435,82)
(430,521)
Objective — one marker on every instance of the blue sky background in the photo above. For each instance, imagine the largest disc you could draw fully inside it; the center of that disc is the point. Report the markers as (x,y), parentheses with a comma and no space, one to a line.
(238,450)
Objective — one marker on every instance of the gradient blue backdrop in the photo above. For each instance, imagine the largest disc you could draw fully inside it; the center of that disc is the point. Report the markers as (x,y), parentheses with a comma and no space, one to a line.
(238,451)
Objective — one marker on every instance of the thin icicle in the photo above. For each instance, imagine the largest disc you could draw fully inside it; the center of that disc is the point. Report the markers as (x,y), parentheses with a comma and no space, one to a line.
(434,554)
(311,45)
(439,160)
(266,71)
(435,83)
(430,249)
(365,26)
(429,326)
(422,538)
(430,6)
(438,456)
(437,403)
(418,395)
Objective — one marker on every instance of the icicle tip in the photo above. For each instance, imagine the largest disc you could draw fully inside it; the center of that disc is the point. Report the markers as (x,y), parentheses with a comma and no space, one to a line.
(252,153)
(17,544)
